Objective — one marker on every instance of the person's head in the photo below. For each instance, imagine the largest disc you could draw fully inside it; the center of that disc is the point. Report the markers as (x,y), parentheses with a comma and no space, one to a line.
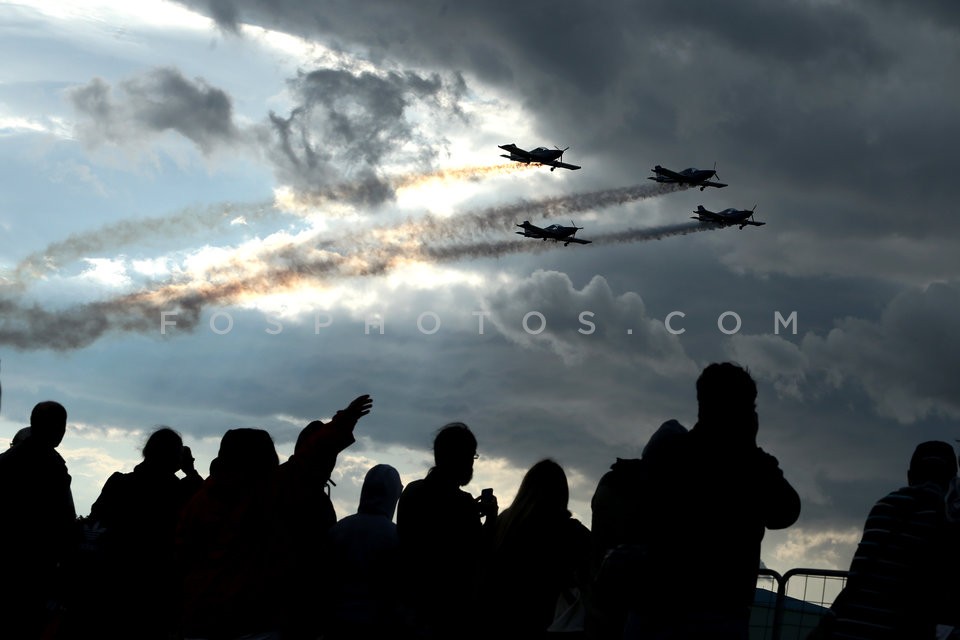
(544,487)
(381,491)
(305,434)
(541,500)
(164,449)
(727,394)
(932,461)
(20,436)
(454,450)
(48,423)
(662,438)
(246,455)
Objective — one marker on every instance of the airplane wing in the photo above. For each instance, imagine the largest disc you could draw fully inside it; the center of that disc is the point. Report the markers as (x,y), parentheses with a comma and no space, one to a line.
(706,217)
(707,183)
(577,240)
(561,165)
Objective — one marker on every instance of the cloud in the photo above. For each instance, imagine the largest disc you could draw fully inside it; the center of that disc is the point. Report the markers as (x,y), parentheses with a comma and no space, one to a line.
(771,358)
(821,548)
(903,360)
(334,142)
(346,126)
(546,311)
(158,101)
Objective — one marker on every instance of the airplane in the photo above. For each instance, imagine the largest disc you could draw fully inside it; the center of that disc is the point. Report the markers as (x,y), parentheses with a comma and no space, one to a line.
(555,232)
(540,155)
(727,217)
(694,177)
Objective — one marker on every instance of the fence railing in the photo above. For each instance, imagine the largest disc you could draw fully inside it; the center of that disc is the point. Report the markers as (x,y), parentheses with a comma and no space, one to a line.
(789,606)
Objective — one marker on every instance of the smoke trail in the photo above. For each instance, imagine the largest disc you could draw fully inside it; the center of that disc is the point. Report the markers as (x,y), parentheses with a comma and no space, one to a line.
(463,173)
(375,189)
(502,218)
(196,220)
(124,232)
(495,249)
(363,253)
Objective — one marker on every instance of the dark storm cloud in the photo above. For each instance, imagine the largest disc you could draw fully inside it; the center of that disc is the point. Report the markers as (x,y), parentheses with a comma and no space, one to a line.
(158,101)
(547,311)
(346,123)
(901,361)
(856,98)
(344,126)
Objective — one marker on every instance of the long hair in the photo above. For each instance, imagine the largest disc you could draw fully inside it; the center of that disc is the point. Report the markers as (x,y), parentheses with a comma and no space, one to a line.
(542,498)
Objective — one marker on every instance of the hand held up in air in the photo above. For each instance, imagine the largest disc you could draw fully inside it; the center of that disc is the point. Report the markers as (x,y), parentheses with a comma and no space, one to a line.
(360,407)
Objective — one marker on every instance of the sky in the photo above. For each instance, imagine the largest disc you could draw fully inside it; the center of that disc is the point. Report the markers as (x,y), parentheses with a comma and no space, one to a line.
(223,214)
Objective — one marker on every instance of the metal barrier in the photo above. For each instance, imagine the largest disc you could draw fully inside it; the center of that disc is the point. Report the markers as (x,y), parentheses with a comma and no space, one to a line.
(794,608)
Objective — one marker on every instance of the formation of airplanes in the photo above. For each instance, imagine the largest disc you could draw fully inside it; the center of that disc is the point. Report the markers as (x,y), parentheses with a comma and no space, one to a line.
(691,176)
(555,232)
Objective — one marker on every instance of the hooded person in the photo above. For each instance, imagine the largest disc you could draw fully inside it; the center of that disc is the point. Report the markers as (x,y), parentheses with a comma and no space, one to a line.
(364,580)
(618,509)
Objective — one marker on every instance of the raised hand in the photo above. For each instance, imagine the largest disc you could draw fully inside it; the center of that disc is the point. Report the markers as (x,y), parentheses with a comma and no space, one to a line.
(360,407)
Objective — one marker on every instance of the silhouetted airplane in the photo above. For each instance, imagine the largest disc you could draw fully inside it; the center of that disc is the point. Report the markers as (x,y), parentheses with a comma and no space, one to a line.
(540,155)
(727,217)
(555,232)
(695,177)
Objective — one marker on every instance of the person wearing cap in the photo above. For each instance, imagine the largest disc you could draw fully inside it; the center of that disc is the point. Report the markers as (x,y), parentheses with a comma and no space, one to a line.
(894,587)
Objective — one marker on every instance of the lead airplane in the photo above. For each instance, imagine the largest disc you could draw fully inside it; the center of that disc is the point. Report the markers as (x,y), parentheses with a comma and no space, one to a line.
(540,155)
(694,177)
(555,232)
(727,217)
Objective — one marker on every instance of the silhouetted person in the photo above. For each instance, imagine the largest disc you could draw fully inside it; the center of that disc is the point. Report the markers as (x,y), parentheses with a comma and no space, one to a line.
(540,551)
(306,514)
(39,523)
(718,494)
(621,501)
(443,539)
(896,587)
(364,575)
(236,543)
(140,590)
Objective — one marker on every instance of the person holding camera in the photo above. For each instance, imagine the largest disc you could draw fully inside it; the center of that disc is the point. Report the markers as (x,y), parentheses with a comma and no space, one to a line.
(445,535)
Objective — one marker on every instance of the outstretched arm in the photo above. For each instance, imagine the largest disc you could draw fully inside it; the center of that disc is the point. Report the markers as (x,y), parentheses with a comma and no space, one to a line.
(319,443)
